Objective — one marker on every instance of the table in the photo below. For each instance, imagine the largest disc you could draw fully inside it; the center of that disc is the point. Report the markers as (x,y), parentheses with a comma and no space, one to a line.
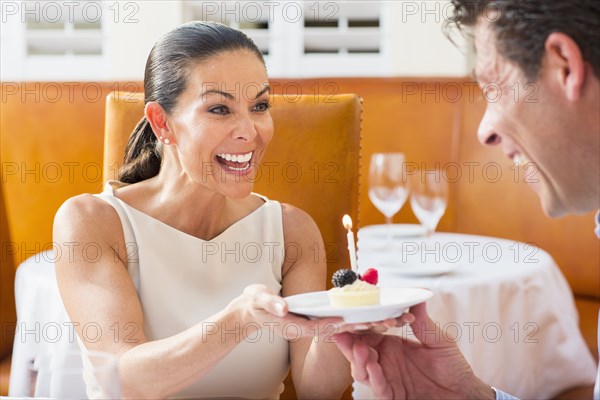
(42,321)
(507,303)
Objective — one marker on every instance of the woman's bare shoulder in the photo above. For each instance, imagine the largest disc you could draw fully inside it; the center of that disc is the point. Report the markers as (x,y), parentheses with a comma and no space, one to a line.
(86,214)
(297,223)
(295,214)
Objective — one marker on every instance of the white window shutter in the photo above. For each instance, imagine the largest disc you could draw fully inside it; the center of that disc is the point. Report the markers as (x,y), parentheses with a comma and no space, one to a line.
(58,40)
(307,38)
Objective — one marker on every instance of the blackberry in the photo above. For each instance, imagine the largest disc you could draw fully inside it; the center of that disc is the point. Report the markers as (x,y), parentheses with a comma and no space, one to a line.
(343,277)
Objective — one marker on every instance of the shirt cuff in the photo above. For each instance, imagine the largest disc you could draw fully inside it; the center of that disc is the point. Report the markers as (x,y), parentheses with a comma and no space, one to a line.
(500,395)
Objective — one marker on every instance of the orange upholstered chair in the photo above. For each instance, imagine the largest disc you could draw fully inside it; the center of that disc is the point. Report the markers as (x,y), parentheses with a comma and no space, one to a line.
(8,316)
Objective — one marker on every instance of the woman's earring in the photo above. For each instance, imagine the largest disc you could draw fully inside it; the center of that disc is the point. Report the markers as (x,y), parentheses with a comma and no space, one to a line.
(167,141)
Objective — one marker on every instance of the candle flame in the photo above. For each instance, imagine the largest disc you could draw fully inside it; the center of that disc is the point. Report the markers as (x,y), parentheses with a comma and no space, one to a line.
(347,221)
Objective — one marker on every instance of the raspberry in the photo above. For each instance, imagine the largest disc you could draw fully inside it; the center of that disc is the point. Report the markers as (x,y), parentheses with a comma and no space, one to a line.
(370,276)
(343,277)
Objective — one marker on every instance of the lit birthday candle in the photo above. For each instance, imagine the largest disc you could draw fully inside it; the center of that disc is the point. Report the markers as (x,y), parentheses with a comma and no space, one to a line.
(347,221)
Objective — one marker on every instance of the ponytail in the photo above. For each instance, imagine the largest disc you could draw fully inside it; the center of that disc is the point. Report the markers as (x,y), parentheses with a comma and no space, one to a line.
(142,154)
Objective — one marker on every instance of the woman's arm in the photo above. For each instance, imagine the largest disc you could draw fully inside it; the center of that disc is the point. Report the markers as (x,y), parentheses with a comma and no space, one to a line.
(96,289)
(319,370)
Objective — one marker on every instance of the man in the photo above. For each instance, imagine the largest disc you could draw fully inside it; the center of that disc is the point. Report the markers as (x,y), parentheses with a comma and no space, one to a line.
(554,44)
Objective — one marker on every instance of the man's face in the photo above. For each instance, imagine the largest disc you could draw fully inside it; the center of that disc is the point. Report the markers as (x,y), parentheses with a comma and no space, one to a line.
(537,126)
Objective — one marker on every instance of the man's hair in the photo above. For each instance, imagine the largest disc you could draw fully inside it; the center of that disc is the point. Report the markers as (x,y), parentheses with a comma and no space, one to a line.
(521,27)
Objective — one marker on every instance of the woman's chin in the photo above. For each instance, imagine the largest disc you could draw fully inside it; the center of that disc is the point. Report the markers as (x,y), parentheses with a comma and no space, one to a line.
(238,191)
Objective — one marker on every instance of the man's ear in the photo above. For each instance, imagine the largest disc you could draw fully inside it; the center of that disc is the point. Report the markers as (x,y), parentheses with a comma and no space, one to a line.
(158,119)
(564,60)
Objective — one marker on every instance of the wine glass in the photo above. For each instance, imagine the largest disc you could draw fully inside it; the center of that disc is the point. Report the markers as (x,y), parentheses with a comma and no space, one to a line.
(428,198)
(388,185)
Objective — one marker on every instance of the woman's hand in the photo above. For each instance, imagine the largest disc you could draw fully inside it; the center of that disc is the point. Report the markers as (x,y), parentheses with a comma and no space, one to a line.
(259,307)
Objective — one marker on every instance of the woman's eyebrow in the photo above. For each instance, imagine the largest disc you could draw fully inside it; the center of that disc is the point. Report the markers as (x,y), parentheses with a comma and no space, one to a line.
(229,96)
(216,91)
(263,91)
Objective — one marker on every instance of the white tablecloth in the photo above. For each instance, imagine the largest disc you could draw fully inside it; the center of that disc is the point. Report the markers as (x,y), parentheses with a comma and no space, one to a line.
(42,321)
(507,303)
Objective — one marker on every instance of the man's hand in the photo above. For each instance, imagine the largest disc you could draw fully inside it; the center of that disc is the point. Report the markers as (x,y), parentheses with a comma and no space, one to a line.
(397,368)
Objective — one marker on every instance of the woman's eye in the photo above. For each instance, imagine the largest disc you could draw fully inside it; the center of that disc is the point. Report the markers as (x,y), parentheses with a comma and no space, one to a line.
(263,106)
(219,110)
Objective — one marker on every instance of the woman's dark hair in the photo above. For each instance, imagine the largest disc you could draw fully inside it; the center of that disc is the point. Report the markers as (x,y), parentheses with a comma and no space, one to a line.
(522,26)
(166,77)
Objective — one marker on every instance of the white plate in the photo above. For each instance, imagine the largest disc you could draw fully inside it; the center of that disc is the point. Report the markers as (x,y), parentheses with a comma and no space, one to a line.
(394,302)
(397,231)
(417,269)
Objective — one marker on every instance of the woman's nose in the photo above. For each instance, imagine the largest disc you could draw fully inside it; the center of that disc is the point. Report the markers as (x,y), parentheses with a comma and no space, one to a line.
(245,129)
(487,132)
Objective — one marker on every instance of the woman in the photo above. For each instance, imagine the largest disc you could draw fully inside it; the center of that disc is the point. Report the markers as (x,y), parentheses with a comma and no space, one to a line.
(185,321)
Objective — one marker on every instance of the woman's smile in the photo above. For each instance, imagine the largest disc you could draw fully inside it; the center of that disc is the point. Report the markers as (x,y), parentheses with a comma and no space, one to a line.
(235,163)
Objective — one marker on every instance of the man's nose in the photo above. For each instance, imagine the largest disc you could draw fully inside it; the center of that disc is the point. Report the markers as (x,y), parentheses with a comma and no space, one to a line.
(487,132)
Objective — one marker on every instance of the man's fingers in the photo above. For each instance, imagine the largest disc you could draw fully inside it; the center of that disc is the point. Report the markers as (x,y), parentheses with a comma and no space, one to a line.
(406,318)
(345,343)
(379,385)
(361,354)
(424,328)
(365,366)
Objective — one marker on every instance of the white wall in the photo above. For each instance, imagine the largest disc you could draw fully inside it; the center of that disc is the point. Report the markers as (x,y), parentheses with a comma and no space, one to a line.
(414,46)
(130,37)
(420,48)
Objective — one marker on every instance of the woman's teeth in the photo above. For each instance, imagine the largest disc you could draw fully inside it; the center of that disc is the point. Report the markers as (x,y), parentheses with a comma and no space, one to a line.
(241,161)
(239,158)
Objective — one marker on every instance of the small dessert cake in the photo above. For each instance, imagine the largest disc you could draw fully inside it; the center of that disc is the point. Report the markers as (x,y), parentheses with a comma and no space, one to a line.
(352,290)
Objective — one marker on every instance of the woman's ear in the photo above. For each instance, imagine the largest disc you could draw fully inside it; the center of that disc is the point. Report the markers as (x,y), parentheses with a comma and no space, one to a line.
(565,62)
(158,119)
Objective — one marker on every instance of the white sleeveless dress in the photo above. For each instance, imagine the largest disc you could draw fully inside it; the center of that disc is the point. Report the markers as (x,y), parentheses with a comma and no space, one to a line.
(182,280)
